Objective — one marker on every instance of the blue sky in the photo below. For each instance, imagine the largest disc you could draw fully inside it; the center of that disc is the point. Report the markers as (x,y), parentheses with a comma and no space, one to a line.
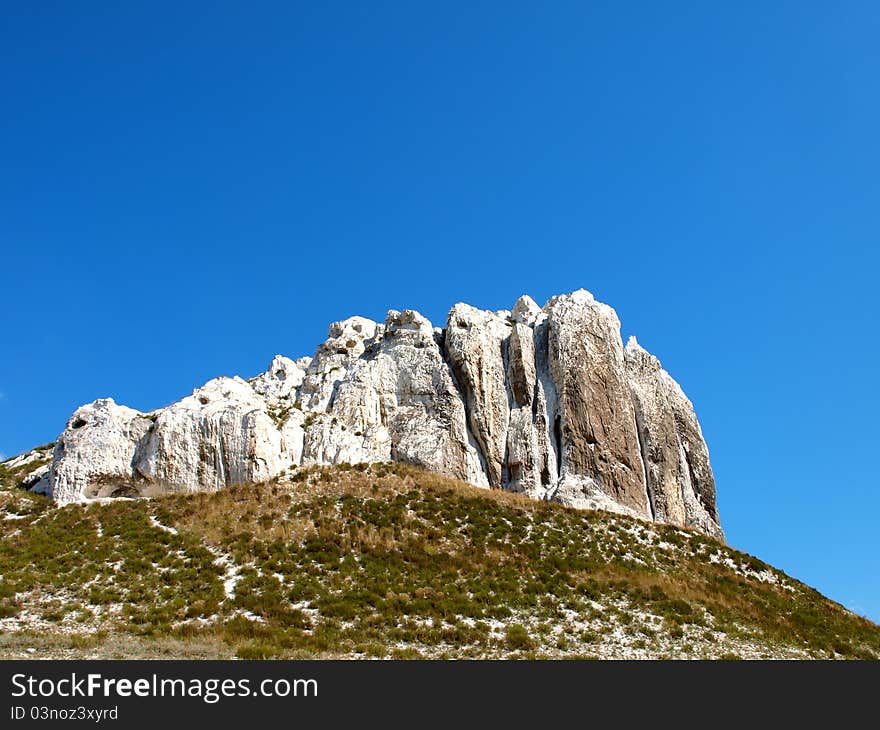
(188,189)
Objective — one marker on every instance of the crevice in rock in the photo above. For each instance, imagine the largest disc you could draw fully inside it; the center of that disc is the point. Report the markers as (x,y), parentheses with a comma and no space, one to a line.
(545,473)
(506,477)
(557,440)
(552,440)
(220,462)
(125,491)
(332,397)
(643,455)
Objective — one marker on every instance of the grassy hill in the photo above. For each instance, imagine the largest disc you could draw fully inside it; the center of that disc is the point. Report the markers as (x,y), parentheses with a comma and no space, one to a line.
(390,561)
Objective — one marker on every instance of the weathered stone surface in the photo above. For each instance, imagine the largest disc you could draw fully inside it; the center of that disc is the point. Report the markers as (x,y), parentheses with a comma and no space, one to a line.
(527,443)
(219,436)
(93,456)
(37,481)
(601,465)
(541,401)
(475,345)
(29,470)
(695,451)
(658,435)
(399,401)
(345,343)
(526,311)
(278,386)
(30,458)
(521,374)
(546,409)
(679,477)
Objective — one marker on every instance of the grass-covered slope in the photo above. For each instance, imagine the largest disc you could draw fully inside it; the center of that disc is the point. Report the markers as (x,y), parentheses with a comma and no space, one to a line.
(390,561)
(18,468)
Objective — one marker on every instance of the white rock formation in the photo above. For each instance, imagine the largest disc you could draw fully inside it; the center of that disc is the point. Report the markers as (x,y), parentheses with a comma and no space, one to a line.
(93,456)
(541,401)
(219,436)
(398,401)
(22,461)
(279,385)
(475,344)
(679,477)
(345,343)
(600,465)
(29,470)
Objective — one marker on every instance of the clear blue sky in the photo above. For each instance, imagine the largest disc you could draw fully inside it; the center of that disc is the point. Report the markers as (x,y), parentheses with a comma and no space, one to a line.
(189,188)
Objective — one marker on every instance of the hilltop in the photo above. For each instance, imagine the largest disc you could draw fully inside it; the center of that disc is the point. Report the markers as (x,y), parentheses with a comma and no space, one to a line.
(545,402)
(387,560)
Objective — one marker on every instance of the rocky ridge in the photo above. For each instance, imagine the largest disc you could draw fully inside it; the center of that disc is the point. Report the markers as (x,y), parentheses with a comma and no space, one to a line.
(544,401)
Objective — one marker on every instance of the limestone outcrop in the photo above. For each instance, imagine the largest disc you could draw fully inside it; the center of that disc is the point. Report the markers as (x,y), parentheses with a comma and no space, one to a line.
(94,454)
(598,441)
(222,434)
(544,401)
(679,478)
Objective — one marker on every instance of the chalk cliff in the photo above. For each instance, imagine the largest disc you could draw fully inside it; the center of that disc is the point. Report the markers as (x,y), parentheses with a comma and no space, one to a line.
(545,401)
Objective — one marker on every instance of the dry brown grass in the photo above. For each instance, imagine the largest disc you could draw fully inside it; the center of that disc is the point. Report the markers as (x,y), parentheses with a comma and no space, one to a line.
(262,509)
(389,560)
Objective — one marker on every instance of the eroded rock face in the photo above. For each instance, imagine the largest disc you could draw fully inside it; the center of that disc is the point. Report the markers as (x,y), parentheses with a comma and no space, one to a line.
(532,438)
(346,342)
(399,401)
(544,401)
(93,456)
(476,344)
(219,436)
(600,458)
(679,477)
(279,385)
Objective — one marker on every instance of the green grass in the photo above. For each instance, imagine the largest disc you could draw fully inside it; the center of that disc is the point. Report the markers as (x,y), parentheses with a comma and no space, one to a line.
(11,477)
(391,561)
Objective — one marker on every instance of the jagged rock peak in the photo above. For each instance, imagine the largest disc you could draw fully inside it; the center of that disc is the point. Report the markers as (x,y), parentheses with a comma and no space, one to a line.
(281,381)
(545,401)
(526,311)
(407,321)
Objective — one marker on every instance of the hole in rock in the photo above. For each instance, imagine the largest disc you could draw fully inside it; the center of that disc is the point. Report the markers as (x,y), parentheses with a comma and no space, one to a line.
(124,491)
(78,423)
